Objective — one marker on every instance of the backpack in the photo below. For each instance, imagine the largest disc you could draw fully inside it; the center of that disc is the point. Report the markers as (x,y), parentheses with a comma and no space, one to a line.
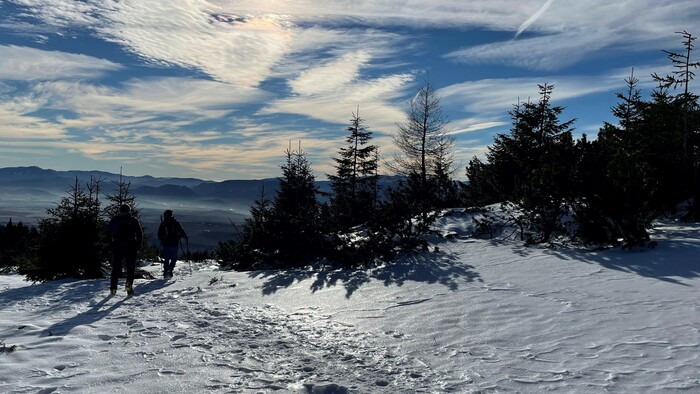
(169,233)
(123,230)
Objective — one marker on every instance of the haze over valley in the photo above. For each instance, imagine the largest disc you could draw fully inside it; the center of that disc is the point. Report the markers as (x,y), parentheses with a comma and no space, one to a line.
(206,209)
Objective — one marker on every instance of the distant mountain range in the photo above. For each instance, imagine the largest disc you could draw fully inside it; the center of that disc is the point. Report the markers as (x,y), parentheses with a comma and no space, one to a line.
(231,191)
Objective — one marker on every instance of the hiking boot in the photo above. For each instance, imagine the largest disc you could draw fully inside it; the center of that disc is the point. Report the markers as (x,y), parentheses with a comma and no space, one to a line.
(112,291)
(129,289)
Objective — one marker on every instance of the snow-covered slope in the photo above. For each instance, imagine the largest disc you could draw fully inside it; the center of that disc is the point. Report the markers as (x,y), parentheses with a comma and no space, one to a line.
(473,316)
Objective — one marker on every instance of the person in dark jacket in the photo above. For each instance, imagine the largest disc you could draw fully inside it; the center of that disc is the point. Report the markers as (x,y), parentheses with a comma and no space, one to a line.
(126,235)
(169,233)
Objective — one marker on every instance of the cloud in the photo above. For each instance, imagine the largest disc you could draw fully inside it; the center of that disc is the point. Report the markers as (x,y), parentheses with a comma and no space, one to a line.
(533,18)
(229,48)
(248,43)
(470,125)
(30,64)
(569,32)
(245,42)
(444,13)
(183,101)
(19,126)
(551,52)
(499,95)
(331,92)
(133,121)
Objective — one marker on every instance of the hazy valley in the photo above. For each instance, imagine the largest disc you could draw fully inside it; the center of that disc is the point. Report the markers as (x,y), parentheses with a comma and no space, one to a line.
(206,209)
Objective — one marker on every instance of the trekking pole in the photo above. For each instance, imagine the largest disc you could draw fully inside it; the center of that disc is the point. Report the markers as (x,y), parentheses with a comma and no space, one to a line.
(187,242)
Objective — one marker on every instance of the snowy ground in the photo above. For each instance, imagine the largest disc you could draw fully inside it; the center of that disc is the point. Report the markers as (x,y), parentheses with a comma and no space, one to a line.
(474,316)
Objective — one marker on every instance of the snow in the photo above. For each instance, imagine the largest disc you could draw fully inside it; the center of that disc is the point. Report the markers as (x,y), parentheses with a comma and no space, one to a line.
(472,316)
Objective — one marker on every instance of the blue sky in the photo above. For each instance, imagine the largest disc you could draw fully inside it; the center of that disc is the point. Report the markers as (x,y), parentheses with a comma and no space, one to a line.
(218,89)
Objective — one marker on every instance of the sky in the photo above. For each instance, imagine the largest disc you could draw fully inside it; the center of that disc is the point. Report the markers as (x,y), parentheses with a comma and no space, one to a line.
(475,316)
(220,89)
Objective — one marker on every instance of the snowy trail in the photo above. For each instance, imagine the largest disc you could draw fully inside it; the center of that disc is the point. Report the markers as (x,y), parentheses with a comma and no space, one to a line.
(475,316)
(191,339)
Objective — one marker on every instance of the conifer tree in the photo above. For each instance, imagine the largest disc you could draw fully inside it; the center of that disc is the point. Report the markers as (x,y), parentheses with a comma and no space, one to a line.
(681,76)
(355,182)
(122,195)
(607,207)
(17,242)
(532,167)
(548,187)
(295,212)
(71,242)
(687,103)
(425,147)
(254,243)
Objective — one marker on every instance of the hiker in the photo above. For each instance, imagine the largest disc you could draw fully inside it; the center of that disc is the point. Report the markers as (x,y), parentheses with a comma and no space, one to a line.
(169,234)
(126,235)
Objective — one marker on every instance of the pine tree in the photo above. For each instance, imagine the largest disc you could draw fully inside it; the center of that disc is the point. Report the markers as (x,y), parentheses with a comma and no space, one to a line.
(631,174)
(481,188)
(122,195)
(548,187)
(681,76)
(532,167)
(355,182)
(295,211)
(17,242)
(256,241)
(687,102)
(72,239)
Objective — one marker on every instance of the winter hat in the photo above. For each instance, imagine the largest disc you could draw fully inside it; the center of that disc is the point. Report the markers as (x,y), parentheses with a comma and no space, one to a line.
(124,208)
(168,213)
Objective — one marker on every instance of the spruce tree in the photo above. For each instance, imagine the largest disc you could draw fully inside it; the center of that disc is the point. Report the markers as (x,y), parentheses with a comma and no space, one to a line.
(122,195)
(295,212)
(17,243)
(72,238)
(255,242)
(355,181)
(687,102)
(532,167)
(681,76)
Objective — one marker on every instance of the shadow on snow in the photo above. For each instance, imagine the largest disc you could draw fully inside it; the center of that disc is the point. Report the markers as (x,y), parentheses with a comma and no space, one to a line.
(429,267)
(675,256)
(64,294)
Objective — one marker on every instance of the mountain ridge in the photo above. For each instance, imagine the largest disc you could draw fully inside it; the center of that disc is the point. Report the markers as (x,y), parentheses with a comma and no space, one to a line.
(145,185)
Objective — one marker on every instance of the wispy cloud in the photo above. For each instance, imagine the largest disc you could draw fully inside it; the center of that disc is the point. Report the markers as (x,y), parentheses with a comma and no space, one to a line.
(567,32)
(20,126)
(470,125)
(30,64)
(243,42)
(499,95)
(332,91)
(136,101)
(532,19)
